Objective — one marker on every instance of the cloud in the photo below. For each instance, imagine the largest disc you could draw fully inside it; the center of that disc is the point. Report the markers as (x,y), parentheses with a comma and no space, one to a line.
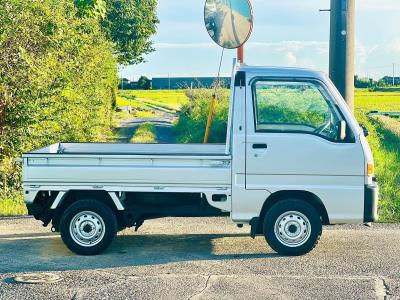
(309,5)
(294,50)
(394,46)
(291,59)
(381,5)
(183,45)
(288,45)
(363,52)
(283,46)
(393,49)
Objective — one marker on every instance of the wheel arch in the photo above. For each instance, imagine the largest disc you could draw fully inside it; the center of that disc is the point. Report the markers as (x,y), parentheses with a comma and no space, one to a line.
(72,196)
(88,226)
(306,196)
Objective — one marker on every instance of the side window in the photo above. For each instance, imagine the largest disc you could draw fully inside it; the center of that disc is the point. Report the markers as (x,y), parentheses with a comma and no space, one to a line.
(295,107)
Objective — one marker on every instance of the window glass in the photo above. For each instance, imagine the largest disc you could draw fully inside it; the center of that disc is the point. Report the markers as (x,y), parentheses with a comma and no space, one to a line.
(295,107)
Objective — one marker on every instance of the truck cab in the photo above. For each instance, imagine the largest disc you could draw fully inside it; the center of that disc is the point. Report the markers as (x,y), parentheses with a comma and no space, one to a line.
(295,159)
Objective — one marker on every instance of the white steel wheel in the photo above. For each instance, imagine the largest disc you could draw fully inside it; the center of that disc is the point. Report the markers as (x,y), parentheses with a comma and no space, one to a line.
(292,228)
(87,228)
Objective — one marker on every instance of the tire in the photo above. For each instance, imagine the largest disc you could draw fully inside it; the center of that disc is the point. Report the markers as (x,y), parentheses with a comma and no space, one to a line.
(88,227)
(292,227)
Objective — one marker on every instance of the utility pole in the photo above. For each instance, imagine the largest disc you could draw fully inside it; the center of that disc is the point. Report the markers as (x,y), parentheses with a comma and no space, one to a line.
(393,74)
(342,48)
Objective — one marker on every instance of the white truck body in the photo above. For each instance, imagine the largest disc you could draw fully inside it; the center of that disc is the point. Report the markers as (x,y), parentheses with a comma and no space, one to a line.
(262,161)
(117,168)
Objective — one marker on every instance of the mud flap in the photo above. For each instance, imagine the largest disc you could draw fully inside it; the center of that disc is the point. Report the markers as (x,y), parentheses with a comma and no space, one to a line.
(254,227)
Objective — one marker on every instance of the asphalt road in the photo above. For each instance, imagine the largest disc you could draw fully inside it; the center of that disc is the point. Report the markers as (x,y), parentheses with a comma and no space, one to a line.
(206,258)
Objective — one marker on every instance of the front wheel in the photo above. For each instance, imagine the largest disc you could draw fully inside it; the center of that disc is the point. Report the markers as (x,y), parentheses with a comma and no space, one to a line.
(88,227)
(292,227)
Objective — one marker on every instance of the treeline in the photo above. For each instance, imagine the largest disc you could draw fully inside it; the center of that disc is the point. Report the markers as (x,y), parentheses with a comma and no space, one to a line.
(373,85)
(58,71)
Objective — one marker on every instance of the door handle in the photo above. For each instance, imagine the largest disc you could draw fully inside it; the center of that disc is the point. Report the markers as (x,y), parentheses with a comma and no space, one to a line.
(260,146)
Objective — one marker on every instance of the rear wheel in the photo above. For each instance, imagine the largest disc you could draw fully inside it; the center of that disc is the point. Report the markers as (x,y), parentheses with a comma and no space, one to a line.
(88,227)
(292,227)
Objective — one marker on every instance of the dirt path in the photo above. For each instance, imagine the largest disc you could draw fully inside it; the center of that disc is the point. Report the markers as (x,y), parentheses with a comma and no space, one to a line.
(161,119)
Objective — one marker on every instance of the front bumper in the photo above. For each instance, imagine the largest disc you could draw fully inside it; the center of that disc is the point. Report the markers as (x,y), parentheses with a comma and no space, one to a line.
(371,198)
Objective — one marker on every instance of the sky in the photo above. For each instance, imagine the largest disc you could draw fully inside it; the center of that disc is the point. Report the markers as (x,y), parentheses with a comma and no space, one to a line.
(285,33)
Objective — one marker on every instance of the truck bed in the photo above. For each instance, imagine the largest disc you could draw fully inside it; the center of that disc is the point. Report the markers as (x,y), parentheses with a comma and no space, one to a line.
(128,165)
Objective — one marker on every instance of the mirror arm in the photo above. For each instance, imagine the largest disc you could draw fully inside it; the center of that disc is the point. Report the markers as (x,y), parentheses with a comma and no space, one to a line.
(343,130)
(240,54)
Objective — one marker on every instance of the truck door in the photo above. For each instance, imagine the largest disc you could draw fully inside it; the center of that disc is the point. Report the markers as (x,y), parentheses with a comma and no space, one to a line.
(293,143)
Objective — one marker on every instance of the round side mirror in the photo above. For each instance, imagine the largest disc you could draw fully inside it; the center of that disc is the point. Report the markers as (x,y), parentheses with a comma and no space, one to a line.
(228,22)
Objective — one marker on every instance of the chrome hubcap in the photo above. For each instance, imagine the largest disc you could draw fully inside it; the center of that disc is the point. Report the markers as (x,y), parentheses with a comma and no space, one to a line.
(292,229)
(87,228)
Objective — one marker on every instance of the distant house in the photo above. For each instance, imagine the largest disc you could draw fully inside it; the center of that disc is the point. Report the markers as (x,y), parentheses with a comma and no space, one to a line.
(388,80)
(173,83)
(126,84)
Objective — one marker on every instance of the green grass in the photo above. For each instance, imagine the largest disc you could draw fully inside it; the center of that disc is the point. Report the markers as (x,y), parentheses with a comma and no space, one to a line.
(124,100)
(144,134)
(384,139)
(122,115)
(167,99)
(191,124)
(12,204)
(391,124)
(386,89)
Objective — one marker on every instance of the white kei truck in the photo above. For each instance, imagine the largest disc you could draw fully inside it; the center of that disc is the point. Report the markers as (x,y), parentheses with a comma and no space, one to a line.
(295,159)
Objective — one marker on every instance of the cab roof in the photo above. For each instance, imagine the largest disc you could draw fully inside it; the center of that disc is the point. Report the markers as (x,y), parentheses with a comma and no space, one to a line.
(282,72)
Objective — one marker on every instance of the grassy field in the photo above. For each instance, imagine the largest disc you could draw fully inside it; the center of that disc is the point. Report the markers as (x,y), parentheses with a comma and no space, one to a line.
(384,139)
(144,100)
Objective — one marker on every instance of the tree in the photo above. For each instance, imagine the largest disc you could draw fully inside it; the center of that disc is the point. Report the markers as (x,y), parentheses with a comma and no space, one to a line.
(129,24)
(91,8)
(58,79)
(144,83)
(362,83)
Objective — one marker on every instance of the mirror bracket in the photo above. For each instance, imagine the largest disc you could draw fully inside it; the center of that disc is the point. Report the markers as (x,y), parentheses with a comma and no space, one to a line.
(343,130)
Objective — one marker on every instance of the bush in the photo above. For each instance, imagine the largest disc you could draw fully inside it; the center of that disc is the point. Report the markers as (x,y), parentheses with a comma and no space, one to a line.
(58,80)
(191,125)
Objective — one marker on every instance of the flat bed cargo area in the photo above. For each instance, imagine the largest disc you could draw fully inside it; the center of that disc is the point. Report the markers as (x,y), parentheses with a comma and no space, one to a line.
(128,165)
